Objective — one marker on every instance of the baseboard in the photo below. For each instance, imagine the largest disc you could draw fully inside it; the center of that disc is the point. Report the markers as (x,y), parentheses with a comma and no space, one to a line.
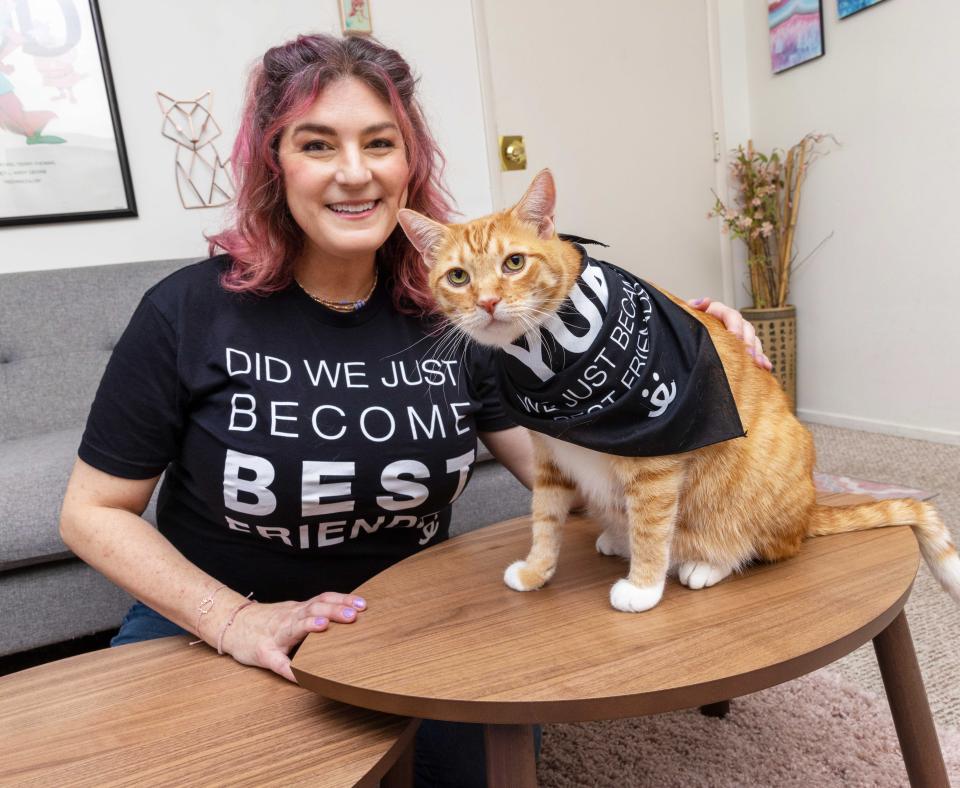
(874,425)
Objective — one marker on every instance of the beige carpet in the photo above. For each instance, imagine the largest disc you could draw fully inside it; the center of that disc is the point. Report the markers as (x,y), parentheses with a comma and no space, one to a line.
(934,618)
(816,732)
(831,728)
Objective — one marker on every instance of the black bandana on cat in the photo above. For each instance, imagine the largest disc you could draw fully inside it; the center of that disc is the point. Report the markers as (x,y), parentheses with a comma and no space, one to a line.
(620,369)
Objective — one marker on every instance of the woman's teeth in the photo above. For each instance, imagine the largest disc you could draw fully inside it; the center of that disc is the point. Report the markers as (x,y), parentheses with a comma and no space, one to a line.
(354,208)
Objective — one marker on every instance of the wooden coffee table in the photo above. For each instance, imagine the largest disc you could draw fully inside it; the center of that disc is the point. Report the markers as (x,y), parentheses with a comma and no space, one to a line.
(444,638)
(163,713)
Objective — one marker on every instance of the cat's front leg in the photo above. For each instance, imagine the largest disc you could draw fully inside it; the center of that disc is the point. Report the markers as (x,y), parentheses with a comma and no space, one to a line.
(651,488)
(553,493)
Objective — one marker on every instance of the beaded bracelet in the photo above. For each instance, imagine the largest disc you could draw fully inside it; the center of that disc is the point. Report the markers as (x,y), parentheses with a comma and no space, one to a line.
(233,615)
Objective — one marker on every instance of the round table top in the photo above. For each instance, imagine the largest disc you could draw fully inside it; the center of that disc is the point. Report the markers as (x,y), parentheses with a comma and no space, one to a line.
(444,638)
(162,713)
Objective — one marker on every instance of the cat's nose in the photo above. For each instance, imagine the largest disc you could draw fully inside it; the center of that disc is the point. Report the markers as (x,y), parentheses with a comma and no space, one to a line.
(489,303)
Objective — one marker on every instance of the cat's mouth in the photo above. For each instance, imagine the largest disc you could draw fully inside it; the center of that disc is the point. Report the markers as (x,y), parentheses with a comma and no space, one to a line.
(494,330)
(354,209)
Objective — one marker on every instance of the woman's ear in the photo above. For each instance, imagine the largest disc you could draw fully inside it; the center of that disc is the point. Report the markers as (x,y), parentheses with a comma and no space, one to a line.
(425,234)
(538,204)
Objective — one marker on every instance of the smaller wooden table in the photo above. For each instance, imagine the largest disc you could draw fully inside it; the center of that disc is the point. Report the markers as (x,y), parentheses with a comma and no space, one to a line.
(444,638)
(163,713)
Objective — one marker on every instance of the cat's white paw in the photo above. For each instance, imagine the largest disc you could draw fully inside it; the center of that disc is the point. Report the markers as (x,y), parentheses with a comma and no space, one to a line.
(631,598)
(699,574)
(520,577)
(610,543)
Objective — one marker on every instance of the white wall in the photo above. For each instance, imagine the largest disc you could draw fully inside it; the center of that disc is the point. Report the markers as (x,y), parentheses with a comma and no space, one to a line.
(877,318)
(185,47)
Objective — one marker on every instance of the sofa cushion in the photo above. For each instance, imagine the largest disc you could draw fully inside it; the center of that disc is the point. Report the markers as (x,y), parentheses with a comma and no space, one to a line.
(55,602)
(57,329)
(33,477)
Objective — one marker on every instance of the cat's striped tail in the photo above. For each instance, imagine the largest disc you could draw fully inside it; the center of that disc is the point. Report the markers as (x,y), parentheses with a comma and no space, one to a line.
(936,545)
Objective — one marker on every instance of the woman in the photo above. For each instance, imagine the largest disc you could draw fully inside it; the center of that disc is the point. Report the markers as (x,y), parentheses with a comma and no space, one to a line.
(312,428)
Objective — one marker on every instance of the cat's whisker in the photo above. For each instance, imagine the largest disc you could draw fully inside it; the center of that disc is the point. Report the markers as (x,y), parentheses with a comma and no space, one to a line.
(441,328)
(431,351)
(445,349)
(441,348)
(460,342)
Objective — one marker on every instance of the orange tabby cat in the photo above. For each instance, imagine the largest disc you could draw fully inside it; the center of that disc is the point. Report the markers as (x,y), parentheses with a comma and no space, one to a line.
(704,513)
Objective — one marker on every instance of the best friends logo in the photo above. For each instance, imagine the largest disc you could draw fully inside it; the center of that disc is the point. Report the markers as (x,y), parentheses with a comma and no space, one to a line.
(331,410)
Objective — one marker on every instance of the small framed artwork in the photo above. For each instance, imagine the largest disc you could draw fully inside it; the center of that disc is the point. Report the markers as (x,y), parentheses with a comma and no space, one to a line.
(796,32)
(62,155)
(355,17)
(846,8)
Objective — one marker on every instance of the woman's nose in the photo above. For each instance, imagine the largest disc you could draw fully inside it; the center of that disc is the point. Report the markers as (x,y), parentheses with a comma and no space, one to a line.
(353,171)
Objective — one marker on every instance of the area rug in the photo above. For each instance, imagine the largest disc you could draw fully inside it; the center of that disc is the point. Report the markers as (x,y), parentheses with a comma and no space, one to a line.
(816,732)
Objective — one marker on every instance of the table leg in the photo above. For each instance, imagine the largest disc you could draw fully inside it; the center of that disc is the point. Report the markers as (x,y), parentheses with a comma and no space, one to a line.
(719,709)
(510,759)
(909,706)
(401,773)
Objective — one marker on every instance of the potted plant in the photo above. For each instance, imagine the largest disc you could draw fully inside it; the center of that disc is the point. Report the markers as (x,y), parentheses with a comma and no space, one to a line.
(764,216)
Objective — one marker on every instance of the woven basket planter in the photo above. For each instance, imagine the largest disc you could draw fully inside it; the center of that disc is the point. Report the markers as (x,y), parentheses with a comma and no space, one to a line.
(777,329)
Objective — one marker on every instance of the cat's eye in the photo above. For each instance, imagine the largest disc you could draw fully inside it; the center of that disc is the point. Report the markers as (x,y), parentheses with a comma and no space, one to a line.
(514,263)
(458,277)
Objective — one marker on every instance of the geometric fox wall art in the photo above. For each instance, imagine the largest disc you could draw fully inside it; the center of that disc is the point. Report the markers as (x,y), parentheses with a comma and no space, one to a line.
(203,180)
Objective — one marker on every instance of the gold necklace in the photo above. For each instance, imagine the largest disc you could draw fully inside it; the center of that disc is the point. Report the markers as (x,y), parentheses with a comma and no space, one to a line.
(342,306)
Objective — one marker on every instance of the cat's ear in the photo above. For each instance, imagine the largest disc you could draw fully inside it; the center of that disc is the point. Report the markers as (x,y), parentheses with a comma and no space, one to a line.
(538,204)
(424,233)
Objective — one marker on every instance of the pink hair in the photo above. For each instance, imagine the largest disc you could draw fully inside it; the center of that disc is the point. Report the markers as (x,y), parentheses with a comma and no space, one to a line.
(264,240)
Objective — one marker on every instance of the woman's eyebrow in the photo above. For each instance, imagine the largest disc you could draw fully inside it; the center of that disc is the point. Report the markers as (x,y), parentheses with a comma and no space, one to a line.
(319,128)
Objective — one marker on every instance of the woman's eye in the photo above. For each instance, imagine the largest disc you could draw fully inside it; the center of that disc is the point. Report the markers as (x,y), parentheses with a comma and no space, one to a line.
(380,143)
(316,145)
(514,262)
(458,277)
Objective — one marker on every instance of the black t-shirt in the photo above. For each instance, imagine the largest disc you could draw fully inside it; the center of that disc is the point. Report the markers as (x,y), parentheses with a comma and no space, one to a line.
(305,450)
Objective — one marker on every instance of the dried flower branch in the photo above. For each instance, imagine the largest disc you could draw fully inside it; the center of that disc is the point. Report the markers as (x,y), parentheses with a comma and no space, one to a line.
(765,213)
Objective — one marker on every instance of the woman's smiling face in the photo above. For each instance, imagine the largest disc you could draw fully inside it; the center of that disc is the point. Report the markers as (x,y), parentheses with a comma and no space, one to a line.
(345,171)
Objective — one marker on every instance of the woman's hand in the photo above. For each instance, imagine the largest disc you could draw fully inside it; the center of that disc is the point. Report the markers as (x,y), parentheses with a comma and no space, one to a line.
(264,634)
(735,324)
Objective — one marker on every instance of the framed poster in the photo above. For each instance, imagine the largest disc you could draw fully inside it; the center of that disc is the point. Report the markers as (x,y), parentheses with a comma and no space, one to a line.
(62,155)
(847,8)
(796,32)
(355,19)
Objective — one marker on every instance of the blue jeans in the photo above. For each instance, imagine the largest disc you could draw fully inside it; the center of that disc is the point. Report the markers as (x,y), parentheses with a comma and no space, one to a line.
(447,754)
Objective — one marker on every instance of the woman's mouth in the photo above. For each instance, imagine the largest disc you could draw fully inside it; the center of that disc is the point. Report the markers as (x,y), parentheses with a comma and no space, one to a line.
(354,209)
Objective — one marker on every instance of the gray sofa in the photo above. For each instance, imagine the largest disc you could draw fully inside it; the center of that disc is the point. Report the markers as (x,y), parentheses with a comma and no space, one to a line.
(57,329)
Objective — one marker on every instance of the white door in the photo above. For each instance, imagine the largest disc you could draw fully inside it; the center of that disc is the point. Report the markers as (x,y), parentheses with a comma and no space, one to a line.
(615,98)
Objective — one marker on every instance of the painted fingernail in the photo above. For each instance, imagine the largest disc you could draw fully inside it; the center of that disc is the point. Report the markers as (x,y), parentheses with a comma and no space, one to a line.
(697,301)
(320,622)
(349,612)
(752,352)
(359,603)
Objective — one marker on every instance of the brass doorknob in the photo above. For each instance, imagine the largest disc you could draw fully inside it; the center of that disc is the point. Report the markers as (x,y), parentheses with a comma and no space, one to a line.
(513,154)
